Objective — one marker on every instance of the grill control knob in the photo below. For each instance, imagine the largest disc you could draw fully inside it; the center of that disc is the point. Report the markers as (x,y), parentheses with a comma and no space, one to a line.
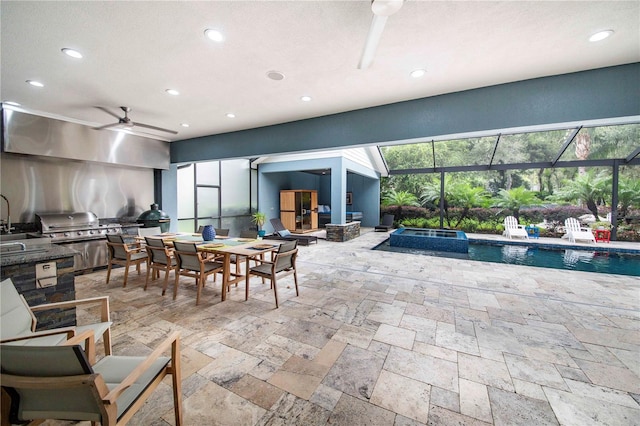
(66,234)
(79,232)
(91,232)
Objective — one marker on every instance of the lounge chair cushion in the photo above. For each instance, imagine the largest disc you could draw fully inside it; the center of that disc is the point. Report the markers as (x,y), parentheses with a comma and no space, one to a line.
(115,368)
(284,233)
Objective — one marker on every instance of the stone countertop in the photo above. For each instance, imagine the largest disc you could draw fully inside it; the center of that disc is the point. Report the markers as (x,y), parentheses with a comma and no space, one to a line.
(36,254)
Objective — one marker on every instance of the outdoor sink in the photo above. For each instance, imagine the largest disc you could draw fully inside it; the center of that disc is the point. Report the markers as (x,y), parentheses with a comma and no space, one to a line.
(17,244)
(29,250)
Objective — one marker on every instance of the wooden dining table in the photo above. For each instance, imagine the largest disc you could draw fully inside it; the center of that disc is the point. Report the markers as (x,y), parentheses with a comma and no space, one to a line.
(225,248)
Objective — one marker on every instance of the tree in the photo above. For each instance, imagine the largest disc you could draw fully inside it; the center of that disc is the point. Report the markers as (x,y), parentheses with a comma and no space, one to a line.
(628,195)
(583,149)
(465,196)
(399,199)
(402,157)
(431,195)
(588,188)
(514,199)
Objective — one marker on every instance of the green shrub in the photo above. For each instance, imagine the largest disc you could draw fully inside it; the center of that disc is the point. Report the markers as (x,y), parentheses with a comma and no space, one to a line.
(414,222)
(487,228)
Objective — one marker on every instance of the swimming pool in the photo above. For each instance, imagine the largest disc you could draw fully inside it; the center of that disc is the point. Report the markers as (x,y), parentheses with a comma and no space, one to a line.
(541,256)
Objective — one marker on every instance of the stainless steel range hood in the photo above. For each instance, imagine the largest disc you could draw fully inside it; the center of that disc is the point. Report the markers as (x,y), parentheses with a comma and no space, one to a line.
(29,134)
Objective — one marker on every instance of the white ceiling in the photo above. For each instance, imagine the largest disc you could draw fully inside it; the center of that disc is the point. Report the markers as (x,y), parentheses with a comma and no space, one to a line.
(133,51)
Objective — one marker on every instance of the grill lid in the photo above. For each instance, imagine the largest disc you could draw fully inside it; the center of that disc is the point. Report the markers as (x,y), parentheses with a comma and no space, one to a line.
(155,214)
(63,221)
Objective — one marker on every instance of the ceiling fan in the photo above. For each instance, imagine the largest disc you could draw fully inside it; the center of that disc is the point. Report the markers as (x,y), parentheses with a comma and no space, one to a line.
(126,123)
(381,9)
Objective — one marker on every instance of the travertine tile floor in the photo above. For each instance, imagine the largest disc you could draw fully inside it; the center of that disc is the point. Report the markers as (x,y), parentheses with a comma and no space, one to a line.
(380,338)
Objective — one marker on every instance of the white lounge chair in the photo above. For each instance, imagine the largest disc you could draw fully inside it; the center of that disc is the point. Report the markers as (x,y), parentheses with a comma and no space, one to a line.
(512,229)
(575,232)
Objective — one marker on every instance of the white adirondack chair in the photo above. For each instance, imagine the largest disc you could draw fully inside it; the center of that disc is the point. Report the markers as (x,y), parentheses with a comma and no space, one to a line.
(575,232)
(512,229)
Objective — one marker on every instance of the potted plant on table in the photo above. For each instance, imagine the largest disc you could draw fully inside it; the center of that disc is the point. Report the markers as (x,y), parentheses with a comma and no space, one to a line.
(259,219)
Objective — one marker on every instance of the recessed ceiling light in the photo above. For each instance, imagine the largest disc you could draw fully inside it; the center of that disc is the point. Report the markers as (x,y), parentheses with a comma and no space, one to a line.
(35,83)
(10,103)
(214,35)
(601,35)
(72,53)
(173,92)
(418,73)
(231,115)
(305,98)
(184,124)
(275,75)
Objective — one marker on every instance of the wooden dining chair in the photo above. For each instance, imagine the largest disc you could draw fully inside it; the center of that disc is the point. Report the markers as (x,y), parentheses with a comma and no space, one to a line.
(145,232)
(239,260)
(125,254)
(223,232)
(283,264)
(192,263)
(249,233)
(161,258)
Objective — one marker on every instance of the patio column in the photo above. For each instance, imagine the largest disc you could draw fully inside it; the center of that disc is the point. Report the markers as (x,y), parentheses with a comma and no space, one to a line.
(614,200)
(441,200)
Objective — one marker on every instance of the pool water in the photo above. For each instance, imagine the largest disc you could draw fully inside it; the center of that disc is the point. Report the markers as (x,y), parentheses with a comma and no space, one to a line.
(577,260)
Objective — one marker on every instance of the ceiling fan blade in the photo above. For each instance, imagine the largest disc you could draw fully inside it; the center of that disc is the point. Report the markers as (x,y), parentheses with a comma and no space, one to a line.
(107,126)
(371,44)
(386,7)
(147,126)
(113,114)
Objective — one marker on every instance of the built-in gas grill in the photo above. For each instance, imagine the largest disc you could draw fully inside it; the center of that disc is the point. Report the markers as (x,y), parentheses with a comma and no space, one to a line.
(71,227)
(80,231)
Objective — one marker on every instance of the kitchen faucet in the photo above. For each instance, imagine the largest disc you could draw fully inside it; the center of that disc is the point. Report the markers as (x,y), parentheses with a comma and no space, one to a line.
(6,227)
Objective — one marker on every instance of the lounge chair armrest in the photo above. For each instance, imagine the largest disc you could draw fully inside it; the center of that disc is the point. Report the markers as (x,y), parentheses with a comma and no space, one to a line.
(102,300)
(69,331)
(89,340)
(173,342)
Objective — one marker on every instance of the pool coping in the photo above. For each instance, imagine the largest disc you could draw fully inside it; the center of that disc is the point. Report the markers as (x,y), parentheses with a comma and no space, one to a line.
(551,246)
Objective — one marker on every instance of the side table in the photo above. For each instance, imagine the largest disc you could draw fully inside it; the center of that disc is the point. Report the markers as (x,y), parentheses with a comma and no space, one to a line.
(602,235)
(532,231)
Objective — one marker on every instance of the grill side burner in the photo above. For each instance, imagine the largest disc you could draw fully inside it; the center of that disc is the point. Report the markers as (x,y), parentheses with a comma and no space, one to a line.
(80,231)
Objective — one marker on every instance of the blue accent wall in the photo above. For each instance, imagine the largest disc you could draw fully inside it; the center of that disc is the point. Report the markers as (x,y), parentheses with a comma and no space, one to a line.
(345,175)
(587,95)
(274,177)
